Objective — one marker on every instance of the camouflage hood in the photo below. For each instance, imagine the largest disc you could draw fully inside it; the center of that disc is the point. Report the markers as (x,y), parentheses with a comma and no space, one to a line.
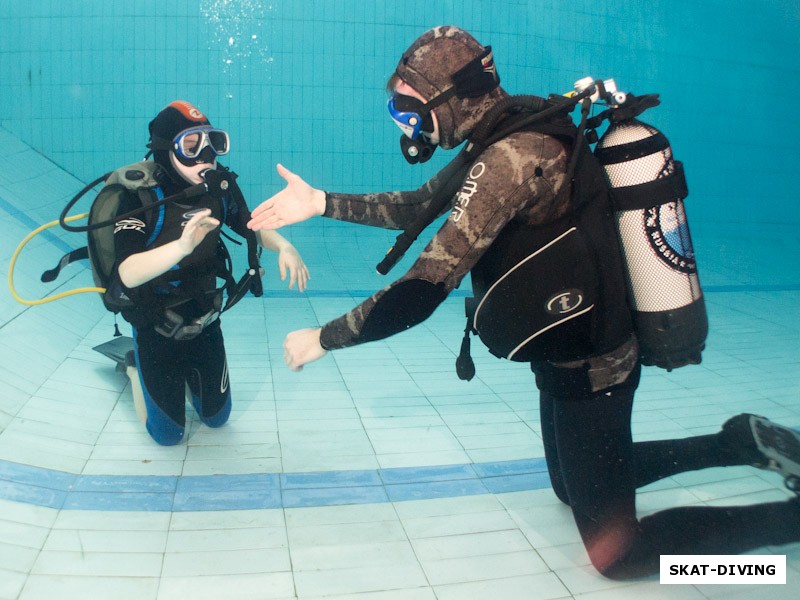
(428,66)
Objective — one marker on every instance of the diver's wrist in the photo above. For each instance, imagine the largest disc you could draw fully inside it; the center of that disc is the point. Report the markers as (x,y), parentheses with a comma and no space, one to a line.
(320,201)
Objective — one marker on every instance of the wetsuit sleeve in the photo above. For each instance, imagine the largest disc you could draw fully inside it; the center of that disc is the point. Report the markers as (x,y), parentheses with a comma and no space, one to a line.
(389,210)
(512,179)
(130,234)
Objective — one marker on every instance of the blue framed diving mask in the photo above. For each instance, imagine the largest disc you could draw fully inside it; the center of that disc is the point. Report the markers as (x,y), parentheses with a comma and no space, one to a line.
(414,119)
(410,115)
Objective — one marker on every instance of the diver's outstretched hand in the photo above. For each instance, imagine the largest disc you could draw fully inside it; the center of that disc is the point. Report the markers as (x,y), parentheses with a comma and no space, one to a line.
(296,202)
(302,347)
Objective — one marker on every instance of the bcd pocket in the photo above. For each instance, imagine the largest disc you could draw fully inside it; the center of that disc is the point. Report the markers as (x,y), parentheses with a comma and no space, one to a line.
(540,306)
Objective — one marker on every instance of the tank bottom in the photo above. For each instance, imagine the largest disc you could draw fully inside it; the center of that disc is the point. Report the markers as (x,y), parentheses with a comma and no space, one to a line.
(672,338)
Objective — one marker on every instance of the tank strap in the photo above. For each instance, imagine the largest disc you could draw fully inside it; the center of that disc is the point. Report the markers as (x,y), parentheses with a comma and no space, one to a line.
(652,193)
(652,144)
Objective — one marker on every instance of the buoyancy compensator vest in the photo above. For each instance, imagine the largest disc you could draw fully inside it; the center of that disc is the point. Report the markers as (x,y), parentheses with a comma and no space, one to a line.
(142,179)
(646,187)
(555,292)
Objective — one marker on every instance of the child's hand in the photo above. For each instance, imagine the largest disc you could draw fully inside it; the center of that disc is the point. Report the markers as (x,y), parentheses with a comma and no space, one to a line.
(289,259)
(196,230)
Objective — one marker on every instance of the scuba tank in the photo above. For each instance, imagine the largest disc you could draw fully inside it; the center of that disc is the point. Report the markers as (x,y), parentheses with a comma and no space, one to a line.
(647,188)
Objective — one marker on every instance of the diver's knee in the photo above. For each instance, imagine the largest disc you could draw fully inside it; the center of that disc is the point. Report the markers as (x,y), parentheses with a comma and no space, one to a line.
(219,419)
(616,551)
(615,571)
(165,433)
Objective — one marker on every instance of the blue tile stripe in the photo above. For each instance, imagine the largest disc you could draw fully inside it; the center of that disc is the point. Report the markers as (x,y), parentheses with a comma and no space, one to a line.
(54,489)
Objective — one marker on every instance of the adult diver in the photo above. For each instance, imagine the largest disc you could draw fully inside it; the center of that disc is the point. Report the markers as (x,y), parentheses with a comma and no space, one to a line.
(509,198)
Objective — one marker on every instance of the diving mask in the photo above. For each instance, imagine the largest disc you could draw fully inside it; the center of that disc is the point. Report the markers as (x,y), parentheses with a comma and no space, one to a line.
(189,143)
(410,114)
(414,119)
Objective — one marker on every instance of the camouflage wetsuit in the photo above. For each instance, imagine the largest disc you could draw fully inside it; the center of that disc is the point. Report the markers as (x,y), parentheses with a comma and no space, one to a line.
(585,405)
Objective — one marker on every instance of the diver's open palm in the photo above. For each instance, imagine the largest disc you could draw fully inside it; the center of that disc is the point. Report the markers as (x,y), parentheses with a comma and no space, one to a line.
(296,202)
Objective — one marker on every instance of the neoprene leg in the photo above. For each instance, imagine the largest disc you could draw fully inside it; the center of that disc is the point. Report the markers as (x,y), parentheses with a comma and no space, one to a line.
(595,454)
(546,417)
(709,530)
(597,462)
(207,376)
(158,361)
(662,458)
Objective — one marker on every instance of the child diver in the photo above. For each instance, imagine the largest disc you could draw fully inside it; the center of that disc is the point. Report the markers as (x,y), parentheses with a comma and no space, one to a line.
(167,263)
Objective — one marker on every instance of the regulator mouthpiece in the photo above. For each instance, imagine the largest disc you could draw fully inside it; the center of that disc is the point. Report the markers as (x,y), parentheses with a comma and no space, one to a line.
(216,182)
(416,151)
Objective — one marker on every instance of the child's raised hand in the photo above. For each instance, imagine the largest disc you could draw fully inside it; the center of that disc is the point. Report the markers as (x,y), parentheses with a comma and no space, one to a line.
(196,230)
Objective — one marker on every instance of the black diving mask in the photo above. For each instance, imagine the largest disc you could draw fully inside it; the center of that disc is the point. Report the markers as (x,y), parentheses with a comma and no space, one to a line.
(201,144)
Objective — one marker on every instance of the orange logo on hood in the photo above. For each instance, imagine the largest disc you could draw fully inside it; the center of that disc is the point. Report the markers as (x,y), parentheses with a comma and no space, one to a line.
(188,110)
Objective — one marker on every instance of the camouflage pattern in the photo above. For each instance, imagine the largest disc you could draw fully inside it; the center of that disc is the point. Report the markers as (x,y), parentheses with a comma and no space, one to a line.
(428,65)
(611,368)
(516,179)
(389,210)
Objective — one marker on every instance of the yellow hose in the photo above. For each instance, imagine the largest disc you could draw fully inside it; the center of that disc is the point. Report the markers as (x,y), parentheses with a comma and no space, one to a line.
(58,296)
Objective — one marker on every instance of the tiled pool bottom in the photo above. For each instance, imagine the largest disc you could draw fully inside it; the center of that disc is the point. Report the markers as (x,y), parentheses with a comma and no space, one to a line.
(372,474)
